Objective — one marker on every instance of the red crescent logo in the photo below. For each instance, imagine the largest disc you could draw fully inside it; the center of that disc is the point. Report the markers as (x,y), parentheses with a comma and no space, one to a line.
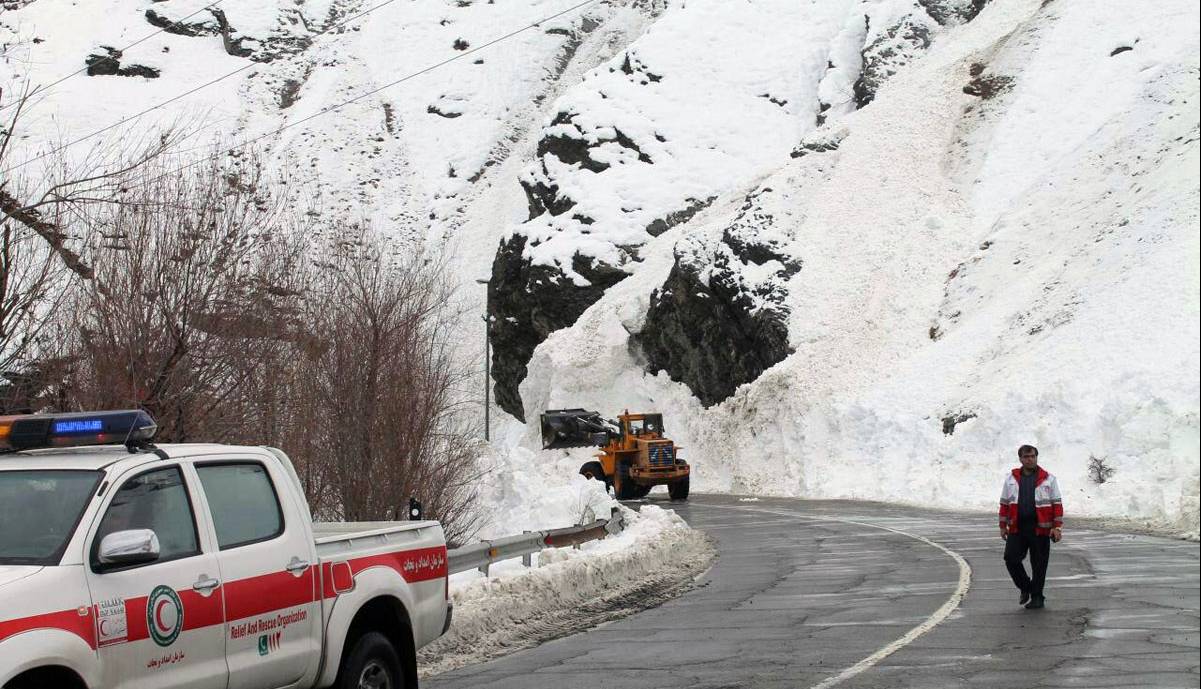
(103,631)
(158,616)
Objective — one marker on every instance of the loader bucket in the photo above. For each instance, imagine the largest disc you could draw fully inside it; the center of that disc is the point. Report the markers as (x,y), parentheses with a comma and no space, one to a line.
(563,428)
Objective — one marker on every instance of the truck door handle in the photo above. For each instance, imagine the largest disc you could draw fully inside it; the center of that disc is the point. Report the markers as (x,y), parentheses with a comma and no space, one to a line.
(297,566)
(205,584)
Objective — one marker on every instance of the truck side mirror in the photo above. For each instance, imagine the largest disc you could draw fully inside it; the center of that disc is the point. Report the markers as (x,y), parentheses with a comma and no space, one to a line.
(129,547)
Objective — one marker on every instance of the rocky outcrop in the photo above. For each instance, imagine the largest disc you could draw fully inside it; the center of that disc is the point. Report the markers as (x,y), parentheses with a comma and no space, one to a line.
(526,303)
(891,48)
(711,325)
(660,225)
(180,27)
(822,140)
(952,12)
(109,64)
(566,142)
(904,38)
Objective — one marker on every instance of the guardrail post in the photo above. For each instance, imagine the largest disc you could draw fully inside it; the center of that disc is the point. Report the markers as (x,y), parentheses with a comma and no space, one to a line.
(528,558)
(484,568)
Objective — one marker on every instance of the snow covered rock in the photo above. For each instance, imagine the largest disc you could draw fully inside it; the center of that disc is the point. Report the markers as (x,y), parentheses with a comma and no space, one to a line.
(689,111)
(528,302)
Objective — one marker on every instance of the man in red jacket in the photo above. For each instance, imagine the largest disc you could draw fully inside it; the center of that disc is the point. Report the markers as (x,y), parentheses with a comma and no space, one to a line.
(1031,518)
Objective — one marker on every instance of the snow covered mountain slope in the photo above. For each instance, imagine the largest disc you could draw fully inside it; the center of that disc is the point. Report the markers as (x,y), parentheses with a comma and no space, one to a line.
(410,156)
(1001,248)
(710,97)
(850,248)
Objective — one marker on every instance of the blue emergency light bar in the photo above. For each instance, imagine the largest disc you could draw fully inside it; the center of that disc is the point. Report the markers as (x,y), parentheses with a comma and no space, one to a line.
(130,427)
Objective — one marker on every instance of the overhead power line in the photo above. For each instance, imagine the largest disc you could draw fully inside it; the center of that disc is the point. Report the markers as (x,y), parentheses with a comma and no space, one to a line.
(185,94)
(175,24)
(333,108)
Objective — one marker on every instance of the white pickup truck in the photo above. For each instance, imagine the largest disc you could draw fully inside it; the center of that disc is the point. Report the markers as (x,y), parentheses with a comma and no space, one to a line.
(196,566)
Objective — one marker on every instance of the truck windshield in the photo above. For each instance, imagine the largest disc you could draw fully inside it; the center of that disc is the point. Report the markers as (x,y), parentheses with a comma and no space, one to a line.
(39,511)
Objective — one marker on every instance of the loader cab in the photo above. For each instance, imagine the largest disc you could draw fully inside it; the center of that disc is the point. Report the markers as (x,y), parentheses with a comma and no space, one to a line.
(641,426)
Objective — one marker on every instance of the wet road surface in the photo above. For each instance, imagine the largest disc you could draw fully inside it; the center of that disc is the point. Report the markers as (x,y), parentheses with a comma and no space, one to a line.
(818,594)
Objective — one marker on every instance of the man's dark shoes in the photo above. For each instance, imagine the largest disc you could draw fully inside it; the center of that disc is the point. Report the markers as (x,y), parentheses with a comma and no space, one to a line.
(1025,598)
(1035,604)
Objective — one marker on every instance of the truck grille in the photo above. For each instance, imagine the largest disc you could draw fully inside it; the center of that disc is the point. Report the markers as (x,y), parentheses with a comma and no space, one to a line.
(661,456)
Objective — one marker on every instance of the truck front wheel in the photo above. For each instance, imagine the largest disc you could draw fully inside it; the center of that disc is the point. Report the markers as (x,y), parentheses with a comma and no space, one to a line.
(372,664)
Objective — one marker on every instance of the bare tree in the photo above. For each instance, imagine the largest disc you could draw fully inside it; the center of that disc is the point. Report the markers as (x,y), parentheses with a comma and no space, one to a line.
(41,198)
(68,184)
(386,384)
(183,298)
(193,290)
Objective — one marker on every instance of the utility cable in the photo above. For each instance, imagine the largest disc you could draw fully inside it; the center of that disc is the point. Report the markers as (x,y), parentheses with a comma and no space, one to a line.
(175,24)
(183,95)
(407,77)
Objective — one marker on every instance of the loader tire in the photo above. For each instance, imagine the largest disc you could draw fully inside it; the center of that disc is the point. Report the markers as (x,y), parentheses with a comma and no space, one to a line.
(679,489)
(593,470)
(642,491)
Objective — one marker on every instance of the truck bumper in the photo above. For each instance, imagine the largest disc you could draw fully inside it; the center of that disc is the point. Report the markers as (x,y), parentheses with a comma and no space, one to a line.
(658,476)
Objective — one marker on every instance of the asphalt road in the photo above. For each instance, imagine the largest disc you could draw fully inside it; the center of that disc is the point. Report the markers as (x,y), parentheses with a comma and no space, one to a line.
(808,594)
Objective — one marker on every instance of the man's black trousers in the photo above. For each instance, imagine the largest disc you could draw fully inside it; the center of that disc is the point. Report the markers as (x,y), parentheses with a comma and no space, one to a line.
(1039,547)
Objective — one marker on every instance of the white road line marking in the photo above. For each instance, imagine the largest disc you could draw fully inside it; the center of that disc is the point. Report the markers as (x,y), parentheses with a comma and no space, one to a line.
(965,581)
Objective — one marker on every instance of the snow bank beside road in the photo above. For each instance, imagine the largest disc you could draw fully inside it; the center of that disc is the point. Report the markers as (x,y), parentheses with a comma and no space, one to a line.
(656,557)
(522,490)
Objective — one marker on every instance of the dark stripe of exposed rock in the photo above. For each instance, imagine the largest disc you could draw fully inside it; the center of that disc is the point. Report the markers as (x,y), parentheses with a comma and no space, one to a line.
(109,64)
(891,50)
(434,110)
(984,85)
(818,146)
(181,28)
(660,225)
(529,302)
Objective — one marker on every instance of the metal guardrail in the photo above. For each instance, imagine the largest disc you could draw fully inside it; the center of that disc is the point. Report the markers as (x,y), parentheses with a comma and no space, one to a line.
(481,555)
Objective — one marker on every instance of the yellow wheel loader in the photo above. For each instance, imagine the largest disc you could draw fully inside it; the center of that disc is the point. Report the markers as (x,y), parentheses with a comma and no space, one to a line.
(635,456)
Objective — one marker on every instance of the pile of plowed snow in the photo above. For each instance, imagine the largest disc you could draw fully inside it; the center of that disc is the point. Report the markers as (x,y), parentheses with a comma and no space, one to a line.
(656,557)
